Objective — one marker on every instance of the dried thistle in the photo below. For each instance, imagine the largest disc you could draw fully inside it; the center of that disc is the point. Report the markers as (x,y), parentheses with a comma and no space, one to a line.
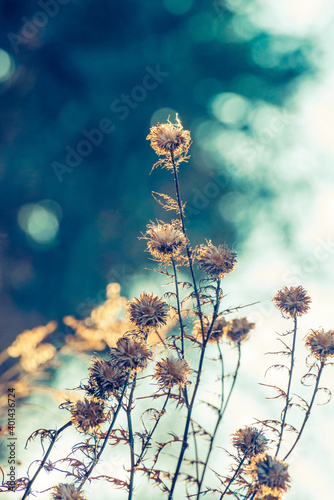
(172,371)
(270,475)
(321,343)
(131,354)
(292,301)
(250,441)
(66,492)
(166,241)
(169,137)
(216,261)
(147,311)
(239,329)
(105,378)
(88,415)
(220,329)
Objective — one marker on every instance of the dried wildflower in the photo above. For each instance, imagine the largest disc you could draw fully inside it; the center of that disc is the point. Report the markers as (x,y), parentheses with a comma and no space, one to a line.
(147,311)
(239,329)
(165,241)
(292,301)
(220,328)
(131,354)
(270,475)
(321,344)
(169,138)
(66,492)
(105,378)
(172,371)
(88,414)
(268,497)
(216,261)
(249,441)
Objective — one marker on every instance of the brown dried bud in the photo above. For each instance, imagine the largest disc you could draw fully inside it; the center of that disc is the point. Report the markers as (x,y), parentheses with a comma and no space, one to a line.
(292,301)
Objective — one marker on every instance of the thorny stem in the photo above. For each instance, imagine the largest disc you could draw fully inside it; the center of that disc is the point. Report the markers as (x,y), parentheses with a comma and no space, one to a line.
(190,408)
(289,384)
(179,202)
(309,408)
(131,438)
(234,476)
(234,377)
(222,407)
(149,437)
(41,465)
(179,308)
(220,416)
(94,462)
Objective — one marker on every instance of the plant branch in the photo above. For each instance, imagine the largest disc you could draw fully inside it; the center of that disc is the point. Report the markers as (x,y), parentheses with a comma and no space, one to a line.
(322,364)
(95,461)
(41,465)
(131,438)
(289,385)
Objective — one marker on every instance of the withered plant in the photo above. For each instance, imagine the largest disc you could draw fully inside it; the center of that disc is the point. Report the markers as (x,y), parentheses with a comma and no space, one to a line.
(161,347)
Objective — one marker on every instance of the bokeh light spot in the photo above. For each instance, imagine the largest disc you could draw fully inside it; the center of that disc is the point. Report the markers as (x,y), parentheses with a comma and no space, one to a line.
(230,108)
(6,66)
(40,221)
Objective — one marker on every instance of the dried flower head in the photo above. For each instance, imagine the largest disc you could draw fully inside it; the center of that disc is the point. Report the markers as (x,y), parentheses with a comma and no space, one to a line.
(220,328)
(66,492)
(216,261)
(292,301)
(147,311)
(250,441)
(131,354)
(321,343)
(88,414)
(169,138)
(270,475)
(172,371)
(239,329)
(105,378)
(165,241)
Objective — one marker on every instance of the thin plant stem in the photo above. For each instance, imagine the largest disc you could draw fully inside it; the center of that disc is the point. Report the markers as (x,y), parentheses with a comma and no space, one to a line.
(289,385)
(234,377)
(309,409)
(41,465)
(95,461)
(190,408)
(220,416)
(179,202)
(178,307)
(234,476)
(131,438)
(149,437)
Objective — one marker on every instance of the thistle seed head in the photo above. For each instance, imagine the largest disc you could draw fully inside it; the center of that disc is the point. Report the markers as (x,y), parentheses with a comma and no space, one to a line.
(172,371)
(292,301)
(216,261)
(147,311)
(321,344)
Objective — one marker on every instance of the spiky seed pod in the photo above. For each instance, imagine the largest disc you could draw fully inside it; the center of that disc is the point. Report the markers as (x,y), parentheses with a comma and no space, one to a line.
(66,492)
(166,241)
(169,137)
(220,328)
(131,354)
(147,311)
(321,343)
(105,378)
(216,261)
(250,441)
(172,371)
(239,329)
(88,415)
(268,497)
(292,301)
(270,476)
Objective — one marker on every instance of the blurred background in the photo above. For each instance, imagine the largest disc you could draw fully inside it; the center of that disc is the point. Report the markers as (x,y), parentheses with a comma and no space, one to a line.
(80,85)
